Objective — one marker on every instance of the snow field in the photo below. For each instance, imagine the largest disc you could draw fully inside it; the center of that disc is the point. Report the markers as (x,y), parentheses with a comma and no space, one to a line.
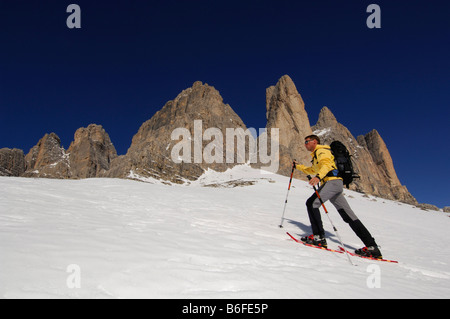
(129,239)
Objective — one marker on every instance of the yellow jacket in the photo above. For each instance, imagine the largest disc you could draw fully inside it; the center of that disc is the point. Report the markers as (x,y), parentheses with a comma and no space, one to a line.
(322,164)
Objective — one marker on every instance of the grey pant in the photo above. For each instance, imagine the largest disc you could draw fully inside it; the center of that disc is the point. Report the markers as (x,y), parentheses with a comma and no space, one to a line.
(333,191)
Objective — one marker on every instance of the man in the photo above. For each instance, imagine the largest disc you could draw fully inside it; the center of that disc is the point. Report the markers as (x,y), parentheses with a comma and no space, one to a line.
(325,172)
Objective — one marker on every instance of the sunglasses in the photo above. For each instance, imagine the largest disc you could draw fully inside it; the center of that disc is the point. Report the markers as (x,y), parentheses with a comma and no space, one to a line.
(306,142)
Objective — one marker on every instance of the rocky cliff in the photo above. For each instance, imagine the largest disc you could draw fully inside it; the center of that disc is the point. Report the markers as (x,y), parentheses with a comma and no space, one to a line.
(285,110)
(12,162)
(370,157)
(47,159)
(389,185)
(186,137)
(91,152)
(197,131)
(88,155)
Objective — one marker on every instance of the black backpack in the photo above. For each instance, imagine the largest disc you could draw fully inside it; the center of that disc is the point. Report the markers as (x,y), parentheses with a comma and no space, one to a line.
(343,162)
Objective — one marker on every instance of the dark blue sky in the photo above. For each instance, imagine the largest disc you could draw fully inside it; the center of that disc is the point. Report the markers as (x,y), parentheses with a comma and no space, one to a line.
(130,57)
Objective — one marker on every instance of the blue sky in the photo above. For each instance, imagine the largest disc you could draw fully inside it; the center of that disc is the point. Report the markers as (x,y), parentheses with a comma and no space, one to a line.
(130,57)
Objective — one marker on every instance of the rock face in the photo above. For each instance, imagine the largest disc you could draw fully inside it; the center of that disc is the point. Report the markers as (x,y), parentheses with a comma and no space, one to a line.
(12,162)
(370,157)
(329,129)
(47,159)
(286,111)
(91,152)
(389,185)
(186,137)
(428,207)
(197,131)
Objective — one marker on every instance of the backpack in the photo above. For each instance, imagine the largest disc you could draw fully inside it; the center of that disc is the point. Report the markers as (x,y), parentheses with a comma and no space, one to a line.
(343,162)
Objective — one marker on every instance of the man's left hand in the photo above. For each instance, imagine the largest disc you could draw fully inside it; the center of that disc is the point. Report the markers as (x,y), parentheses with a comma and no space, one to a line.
(314,181)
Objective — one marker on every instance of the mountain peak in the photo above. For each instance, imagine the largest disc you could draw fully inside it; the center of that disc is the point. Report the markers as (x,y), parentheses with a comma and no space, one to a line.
(194,110)
(47,158)
(286,112)
(326,118)
(195,124)
(198,84)
(90,152)
(201,95)
(284,88)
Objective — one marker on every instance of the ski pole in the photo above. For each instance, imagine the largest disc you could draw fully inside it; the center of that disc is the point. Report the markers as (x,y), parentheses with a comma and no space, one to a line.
(289,188)
(331,222)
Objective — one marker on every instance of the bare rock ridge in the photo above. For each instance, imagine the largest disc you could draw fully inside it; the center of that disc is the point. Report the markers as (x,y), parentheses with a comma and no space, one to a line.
(47,159)
(91,152)
(370,157)
(88,155)
(391,185)
(12,162)
(192,113)
(286,111)
(193,133)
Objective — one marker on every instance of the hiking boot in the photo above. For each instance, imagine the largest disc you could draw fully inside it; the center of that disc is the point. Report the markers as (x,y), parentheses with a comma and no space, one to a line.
(316,240)
(372,252)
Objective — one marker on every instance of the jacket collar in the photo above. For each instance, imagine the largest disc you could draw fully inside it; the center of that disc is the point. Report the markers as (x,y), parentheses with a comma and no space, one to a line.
(318,147)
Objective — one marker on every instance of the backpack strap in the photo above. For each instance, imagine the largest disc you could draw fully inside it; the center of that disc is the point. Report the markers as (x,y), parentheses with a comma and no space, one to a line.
(333,172)
(315,152)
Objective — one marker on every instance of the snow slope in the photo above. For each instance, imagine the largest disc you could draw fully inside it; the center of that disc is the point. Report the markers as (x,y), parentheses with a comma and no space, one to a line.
(129,239)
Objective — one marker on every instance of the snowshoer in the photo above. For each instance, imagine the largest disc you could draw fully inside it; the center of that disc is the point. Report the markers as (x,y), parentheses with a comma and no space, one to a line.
(324,171)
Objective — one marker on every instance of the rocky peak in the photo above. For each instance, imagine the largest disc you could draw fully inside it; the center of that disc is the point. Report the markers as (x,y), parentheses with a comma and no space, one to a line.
(199,93)
(326,118)
(200,101)
(286,111)
(91,152)
(381,156)
(194,110)
(47,159)
(329,129)
(392,187)
(283,102)
(198,119)
(12,162)
(88,155)
(370,156)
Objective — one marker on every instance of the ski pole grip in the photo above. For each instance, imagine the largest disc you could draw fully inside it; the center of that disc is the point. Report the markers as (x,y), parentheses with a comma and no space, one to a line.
(293,165)
(309,177)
